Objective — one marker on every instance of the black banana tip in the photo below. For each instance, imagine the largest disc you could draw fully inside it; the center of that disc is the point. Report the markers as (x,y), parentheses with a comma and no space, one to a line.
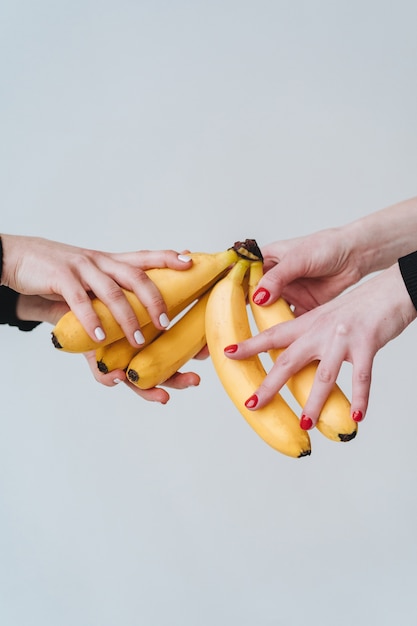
(132,375)
(56,342)
(102,367)
(304,453)
(347,436)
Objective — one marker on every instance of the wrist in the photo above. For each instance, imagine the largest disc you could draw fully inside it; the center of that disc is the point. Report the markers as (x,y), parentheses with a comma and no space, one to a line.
(359,249)
(382,237)
(401,303)
(367,246)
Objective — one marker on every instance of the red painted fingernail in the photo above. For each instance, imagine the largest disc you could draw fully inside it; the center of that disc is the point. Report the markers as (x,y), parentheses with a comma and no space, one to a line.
(357,416)
(231,349)
(251,402)
(305,422)
(261,296)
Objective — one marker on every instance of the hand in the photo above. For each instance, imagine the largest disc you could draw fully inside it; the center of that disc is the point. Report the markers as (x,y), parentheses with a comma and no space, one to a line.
(36,266)
(350,328)
(308,271)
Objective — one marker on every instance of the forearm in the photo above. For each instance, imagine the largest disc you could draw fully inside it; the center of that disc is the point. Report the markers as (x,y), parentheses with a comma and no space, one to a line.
(380,238)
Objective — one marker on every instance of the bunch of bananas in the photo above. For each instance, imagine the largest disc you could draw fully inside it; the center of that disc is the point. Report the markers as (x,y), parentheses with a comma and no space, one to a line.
(210,304)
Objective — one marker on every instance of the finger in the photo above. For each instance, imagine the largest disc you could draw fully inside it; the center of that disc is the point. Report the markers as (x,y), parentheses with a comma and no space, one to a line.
(156,394)
(78,300)
(361,386)
(203,354)
(274,281)
(324,381)
(182,380)
(112,295)
(299,295)
(148,259)
(278,336)
(105,278)
(135,279)
(288,363)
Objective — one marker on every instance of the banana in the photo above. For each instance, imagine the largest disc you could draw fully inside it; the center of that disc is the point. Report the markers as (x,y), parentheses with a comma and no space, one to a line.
(335,420)
(178,288)
(227,322)
(119,353)
(165,355)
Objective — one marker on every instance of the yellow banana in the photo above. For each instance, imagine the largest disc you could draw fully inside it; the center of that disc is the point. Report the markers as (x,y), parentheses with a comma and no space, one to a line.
(335,421)
(178,288)
(119,353)
(165,355)
(227,322)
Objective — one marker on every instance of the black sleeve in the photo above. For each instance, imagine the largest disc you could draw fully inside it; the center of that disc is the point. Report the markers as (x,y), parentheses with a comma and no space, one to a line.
(8,302)
(408,269)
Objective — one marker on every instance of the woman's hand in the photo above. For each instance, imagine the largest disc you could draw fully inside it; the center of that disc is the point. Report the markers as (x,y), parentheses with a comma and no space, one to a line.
(307,271)
(352,328)
(36,266)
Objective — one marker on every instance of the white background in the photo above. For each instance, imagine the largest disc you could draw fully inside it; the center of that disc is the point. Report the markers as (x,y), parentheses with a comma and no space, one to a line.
(180,124)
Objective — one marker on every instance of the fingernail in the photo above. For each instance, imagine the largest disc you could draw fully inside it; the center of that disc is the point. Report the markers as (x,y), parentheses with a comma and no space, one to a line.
(117,381)
(261,296)
(184,258)
(231,349)
(357,416)
(306,422)
(99,333)
(251,402)
(139,338)
(164,320)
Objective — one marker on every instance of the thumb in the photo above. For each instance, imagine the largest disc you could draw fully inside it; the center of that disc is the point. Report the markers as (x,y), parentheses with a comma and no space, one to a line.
(275,280)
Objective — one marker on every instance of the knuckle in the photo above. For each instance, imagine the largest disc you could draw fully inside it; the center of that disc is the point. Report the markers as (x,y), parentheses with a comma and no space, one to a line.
(114,294)
(270,336)
(284,359)
(325,375)
(363,377)
(80,263)
(79,297)
(140,277)
(341,329)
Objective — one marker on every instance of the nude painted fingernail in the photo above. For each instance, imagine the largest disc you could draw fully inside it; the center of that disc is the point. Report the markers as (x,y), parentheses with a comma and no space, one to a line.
(164,320)
(306,422)
(251,402)
(139,338)
(99,333)
(261,296)
(357,416)
(184,258)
